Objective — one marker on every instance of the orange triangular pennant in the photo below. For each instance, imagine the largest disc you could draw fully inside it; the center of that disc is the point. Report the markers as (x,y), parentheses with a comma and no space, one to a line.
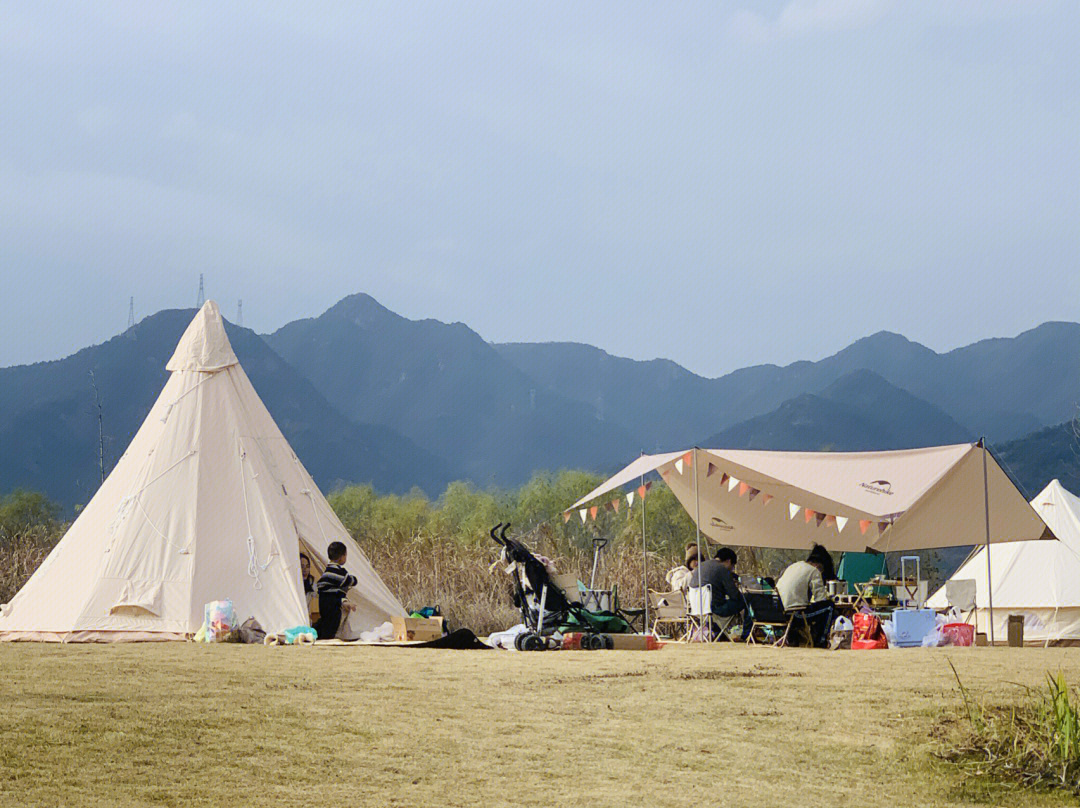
(864,524)
(641,490)
(765,500)
(808,513)
(566,516)
(593,511)
(743,488)
(615,504)
(688,458)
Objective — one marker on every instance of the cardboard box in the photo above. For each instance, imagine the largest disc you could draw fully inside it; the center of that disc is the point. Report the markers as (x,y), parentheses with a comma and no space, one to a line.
(417,629)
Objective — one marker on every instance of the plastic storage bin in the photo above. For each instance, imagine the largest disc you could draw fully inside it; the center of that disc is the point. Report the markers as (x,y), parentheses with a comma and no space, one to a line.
(912,625)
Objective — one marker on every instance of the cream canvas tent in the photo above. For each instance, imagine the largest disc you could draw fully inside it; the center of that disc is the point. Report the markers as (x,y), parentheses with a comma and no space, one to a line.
(1039,580)
(883,501)
(208,502)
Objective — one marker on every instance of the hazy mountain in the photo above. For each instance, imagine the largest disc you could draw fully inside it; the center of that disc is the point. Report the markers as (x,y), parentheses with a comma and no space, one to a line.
(448,390)
(1036,459)
(1002,388)
(860,411)
(48,416)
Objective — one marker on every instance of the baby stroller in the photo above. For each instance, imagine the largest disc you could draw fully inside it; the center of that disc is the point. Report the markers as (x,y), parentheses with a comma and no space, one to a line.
(545,607)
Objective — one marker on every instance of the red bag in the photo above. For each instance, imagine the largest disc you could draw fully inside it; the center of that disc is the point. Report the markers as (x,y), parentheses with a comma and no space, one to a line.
(867,633)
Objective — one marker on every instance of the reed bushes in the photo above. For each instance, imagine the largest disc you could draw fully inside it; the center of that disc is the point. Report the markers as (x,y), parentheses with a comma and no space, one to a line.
(1033,743)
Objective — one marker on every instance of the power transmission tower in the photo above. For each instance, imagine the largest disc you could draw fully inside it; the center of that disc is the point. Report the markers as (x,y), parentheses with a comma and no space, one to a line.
(239,312)
(100,426)
(202,293)
(131,312)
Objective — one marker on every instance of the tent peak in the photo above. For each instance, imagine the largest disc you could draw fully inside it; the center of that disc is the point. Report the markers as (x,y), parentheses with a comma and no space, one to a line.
(205,346)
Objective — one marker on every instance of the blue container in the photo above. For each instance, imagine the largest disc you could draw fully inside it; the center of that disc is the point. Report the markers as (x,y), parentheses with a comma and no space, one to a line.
(910,626)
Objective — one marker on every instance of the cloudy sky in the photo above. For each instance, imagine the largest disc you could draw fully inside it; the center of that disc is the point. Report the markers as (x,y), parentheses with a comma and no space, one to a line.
(715,183)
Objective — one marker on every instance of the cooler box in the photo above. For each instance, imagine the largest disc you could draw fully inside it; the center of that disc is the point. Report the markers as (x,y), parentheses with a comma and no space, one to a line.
(910,626)
(961,634)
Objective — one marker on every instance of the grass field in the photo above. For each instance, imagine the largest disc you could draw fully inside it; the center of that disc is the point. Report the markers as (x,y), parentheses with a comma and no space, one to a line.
(190,725)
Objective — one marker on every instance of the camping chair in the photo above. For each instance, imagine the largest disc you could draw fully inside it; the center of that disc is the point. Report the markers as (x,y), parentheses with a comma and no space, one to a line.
(669,608)
(772,620)
(858,568)
(960,595)
(708,626)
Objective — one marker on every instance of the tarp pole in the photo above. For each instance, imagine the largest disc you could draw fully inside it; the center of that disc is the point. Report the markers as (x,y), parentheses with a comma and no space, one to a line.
(697,532)
(986,508)
(644,562)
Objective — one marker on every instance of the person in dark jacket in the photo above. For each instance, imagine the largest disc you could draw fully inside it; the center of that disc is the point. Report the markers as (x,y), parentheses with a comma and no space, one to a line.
(332,586)
(719,573)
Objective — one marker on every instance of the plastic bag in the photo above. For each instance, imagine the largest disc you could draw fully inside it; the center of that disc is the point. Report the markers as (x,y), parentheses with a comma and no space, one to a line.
(381,633)
(219,622)
(300,635)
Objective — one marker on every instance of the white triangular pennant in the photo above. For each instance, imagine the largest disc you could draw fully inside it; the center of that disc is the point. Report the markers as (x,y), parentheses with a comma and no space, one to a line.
(678,465)
(732,482)
(840,522)
(584,514)
(630,498)
(793,509)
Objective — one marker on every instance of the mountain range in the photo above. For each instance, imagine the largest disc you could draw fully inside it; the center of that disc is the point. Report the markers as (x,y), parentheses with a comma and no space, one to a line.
(365,395)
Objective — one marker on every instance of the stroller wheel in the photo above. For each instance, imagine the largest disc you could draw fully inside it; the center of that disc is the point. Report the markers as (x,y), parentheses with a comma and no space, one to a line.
(533,642)
(606,643)
(519,640)
(592,642)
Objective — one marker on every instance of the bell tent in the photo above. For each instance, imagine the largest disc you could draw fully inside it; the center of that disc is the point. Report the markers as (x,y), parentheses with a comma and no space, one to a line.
(1038,580)
(208,502)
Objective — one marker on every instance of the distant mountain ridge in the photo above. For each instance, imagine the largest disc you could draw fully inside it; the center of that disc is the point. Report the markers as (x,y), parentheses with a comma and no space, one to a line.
(858,412)
(445,388)
(364,394)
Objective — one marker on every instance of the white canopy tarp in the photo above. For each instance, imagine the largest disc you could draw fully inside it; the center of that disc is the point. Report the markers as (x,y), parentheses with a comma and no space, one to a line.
(884,501)
(208,502)
(1039,580)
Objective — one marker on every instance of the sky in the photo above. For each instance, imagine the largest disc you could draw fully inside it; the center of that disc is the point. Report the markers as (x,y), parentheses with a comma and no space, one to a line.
(721,184)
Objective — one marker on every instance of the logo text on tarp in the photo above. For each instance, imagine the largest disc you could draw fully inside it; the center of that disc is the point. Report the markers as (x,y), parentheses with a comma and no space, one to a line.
(878,487)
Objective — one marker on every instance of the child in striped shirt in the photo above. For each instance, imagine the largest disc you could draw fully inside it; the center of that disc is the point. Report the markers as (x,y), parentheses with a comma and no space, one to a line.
(332,586)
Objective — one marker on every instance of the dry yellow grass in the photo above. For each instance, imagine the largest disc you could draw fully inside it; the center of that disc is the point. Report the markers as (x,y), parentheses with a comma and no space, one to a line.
(190,725)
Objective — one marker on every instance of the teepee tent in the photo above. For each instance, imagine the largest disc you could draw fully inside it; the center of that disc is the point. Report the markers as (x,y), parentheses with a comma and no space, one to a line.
(1037,579)
(208,502)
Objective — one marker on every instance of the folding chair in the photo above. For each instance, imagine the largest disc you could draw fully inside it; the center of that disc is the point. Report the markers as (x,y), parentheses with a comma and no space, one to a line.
(960,595)
(768,615)
(669,608)
(698,611)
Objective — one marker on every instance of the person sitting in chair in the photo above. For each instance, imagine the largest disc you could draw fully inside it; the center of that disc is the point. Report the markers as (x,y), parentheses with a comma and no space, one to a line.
(802,588)
(679,577)
(719,573)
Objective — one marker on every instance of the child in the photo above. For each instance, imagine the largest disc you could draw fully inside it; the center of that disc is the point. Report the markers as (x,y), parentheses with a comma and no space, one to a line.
(332,586)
